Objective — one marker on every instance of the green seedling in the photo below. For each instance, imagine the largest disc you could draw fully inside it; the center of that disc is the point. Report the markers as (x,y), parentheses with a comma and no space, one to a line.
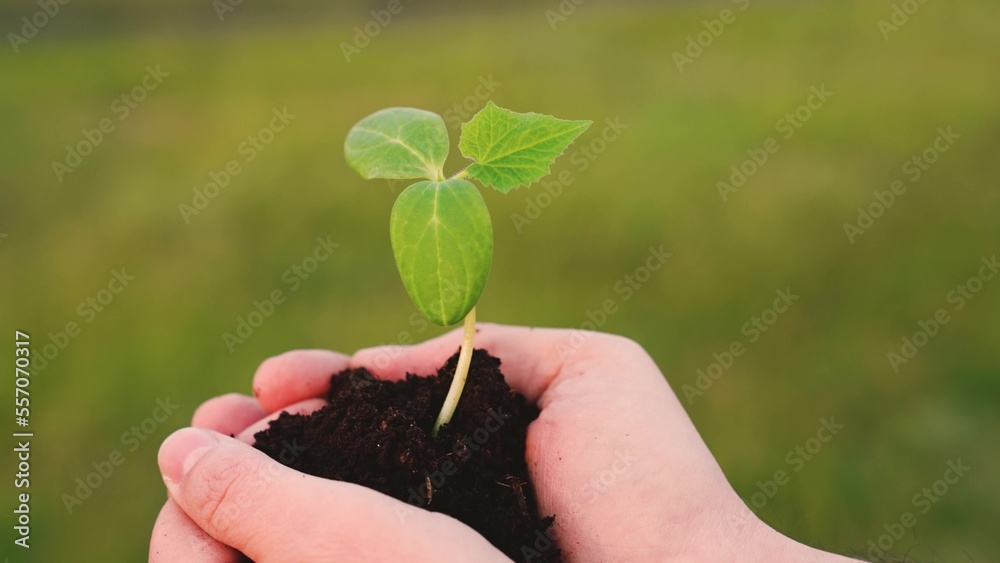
(441,233)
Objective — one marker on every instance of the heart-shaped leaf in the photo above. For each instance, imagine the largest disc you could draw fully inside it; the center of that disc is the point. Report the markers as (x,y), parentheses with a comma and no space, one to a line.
(442,239)
(514,149)
(398,143)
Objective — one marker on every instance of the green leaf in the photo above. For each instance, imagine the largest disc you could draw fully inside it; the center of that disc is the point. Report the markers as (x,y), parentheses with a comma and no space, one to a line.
(398,143)
(514,149)
(443,242)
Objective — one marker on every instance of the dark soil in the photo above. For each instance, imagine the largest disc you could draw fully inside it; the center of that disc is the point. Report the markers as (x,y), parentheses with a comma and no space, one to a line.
(377,434)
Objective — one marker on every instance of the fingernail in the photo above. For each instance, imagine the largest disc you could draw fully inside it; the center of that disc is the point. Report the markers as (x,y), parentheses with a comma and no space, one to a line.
(181,450)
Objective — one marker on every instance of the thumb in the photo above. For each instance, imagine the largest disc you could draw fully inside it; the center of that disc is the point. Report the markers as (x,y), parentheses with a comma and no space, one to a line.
(271,512)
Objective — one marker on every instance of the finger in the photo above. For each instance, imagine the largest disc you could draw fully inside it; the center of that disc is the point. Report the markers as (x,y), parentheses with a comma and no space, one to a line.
(295,376)
(303,407)
(394,361)
(228,414)
(245,499)
(177,538)
(532,358)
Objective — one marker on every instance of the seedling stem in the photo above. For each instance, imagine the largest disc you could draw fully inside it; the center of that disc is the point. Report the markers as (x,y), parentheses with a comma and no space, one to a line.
(461,373)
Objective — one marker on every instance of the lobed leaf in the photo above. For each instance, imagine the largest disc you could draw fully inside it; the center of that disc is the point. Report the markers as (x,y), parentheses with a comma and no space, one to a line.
(514,149)
(398,143)
(442,239)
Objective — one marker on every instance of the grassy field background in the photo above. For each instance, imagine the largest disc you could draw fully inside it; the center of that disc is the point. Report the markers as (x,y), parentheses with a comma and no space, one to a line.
(654,184)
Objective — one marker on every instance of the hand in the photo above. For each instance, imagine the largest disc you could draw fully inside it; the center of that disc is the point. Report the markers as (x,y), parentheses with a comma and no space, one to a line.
(613,455)
(175,536)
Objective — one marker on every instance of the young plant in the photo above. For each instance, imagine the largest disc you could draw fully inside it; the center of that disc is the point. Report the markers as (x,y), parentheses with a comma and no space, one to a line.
(441,233)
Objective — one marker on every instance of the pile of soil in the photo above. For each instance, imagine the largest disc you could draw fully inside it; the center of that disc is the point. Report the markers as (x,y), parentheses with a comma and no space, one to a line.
(378,434)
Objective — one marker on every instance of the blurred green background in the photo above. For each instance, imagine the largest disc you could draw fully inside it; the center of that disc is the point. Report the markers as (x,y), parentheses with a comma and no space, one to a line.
(654,184)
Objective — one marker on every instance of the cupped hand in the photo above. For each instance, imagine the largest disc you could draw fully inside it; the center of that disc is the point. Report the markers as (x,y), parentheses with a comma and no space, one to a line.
(613,455)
